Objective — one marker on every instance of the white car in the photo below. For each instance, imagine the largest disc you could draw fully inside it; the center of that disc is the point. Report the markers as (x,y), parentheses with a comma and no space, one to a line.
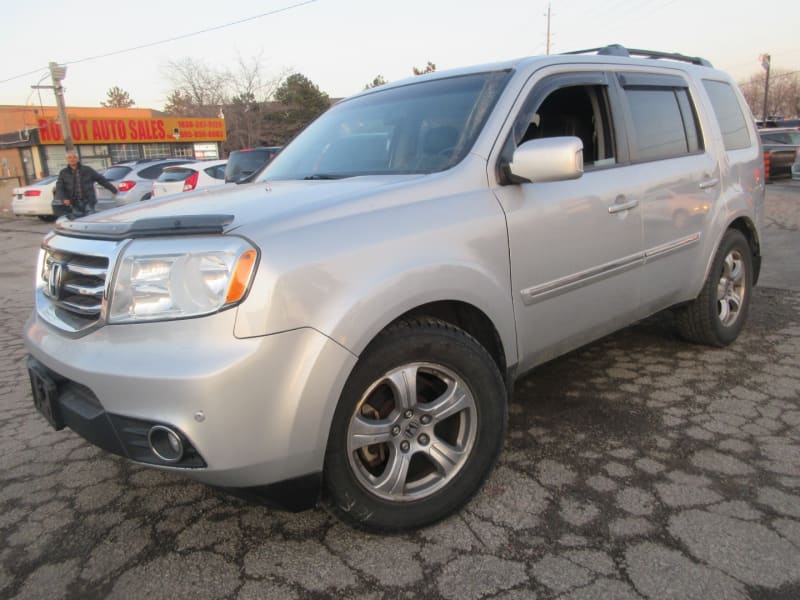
(189,177)
(35,199)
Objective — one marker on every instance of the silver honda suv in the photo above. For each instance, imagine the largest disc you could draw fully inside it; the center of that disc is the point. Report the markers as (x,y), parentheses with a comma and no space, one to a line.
(347,328)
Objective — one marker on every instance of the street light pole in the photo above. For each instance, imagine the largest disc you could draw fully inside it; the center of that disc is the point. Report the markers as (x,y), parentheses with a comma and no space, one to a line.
(58,73)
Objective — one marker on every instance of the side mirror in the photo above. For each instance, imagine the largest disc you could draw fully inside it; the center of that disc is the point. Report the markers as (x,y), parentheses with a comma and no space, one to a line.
(547,159)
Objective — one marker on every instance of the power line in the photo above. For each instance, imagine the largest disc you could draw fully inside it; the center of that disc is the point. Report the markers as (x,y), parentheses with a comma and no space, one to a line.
(168,40)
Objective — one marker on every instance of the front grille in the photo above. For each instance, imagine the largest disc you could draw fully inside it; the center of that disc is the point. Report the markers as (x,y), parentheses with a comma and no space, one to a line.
(73,275)
(75,283)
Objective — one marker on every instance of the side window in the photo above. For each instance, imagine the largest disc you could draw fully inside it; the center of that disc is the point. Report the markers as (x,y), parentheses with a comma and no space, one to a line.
(729,114)
(152,172)
(574,110)
(664,122)
(217,171)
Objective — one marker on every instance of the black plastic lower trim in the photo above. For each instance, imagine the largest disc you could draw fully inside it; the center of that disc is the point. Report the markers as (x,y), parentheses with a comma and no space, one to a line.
(80,410)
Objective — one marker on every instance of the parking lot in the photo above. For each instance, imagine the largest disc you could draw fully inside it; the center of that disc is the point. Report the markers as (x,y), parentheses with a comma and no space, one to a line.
(639,466)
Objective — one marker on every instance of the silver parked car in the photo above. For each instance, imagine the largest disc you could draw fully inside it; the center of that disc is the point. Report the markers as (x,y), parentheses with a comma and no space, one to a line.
(133,180)
(349,326)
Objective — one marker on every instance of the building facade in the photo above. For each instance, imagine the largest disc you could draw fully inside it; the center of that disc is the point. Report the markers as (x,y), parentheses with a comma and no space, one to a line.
(32,143)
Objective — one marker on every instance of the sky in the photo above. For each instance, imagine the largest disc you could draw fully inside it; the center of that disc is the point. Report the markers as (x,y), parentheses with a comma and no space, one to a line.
(341,45)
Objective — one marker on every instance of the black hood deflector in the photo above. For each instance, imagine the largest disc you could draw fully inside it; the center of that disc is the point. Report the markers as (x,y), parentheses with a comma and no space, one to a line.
(172,225)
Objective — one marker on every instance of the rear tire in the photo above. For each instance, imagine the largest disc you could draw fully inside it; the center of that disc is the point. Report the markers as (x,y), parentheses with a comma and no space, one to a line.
(718,314)
(420,424)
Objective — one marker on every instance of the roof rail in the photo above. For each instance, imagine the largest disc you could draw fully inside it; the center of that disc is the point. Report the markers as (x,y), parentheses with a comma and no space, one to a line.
(618,50)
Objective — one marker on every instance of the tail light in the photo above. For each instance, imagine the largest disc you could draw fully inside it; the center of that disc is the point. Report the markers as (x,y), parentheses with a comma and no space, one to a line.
(191,182)
(124,186)
(33,192)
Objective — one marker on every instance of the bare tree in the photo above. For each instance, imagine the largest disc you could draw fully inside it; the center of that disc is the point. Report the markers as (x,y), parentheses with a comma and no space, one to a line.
(117,98)
(201,90)
(257,110)
(783,98)
(246,111)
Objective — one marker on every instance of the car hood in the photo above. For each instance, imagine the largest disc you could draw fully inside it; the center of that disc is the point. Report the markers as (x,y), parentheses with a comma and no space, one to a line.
(229,207)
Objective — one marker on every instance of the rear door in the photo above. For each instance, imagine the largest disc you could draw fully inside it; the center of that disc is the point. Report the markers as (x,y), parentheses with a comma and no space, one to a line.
(680,182)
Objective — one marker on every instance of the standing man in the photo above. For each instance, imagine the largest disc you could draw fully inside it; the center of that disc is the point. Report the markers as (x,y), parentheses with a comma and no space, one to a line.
(75,187)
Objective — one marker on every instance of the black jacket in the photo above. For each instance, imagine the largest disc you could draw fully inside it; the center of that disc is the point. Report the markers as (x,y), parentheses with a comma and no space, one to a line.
(69,181)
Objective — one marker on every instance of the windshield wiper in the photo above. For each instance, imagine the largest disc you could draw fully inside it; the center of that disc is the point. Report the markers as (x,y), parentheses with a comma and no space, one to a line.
(325,176)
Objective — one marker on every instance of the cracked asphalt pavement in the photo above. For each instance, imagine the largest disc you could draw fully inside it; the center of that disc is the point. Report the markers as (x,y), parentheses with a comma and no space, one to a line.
(640,466)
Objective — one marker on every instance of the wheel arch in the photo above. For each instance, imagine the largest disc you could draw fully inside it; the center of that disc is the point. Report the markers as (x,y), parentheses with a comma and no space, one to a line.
(472,320)
(749,231)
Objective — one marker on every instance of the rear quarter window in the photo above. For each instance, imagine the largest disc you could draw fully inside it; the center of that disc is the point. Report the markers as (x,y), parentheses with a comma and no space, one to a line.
(114,173)
(732,123)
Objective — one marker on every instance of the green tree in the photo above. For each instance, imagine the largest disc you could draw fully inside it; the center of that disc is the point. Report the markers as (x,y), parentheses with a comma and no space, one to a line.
(378,81)
(117,98)
(429,68)
(301,96)
(298,102)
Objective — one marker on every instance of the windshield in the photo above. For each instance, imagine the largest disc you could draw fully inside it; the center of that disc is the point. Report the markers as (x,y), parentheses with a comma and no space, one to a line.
(417,128)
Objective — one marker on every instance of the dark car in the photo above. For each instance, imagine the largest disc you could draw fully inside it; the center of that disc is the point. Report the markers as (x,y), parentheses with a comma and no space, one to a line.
(781,148)
(244,164)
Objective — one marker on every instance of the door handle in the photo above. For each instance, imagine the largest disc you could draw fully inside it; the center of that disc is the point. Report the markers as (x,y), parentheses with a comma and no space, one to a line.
(622,206)
(708,183)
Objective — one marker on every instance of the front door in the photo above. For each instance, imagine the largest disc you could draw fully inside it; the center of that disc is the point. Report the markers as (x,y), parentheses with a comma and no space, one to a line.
(575,246)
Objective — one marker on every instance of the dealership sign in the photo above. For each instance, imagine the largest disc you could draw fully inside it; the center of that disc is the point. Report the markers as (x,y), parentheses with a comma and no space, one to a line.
(128,131)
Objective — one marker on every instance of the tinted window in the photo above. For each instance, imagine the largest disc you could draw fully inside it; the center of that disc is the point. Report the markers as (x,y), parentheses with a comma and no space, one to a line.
(175,174)
(729,114)
(154,171)
(783,137)
(217,172)
(659,127)
(114,173)
(242,163)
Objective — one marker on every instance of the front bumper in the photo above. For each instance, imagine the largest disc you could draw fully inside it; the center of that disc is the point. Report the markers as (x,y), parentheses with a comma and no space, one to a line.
(256,411)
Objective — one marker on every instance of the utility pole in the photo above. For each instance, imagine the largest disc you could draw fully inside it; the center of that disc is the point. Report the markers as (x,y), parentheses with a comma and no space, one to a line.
(58,73)
(548,28)
(765,60)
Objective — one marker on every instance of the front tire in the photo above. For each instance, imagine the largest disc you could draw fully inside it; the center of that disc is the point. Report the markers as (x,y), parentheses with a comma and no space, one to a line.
(718,314)
(420,424)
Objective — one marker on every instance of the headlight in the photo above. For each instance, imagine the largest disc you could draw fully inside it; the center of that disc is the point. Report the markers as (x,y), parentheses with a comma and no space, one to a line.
(158,279)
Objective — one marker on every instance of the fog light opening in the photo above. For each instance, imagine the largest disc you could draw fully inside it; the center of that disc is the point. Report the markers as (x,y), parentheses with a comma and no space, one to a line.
(165,443)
